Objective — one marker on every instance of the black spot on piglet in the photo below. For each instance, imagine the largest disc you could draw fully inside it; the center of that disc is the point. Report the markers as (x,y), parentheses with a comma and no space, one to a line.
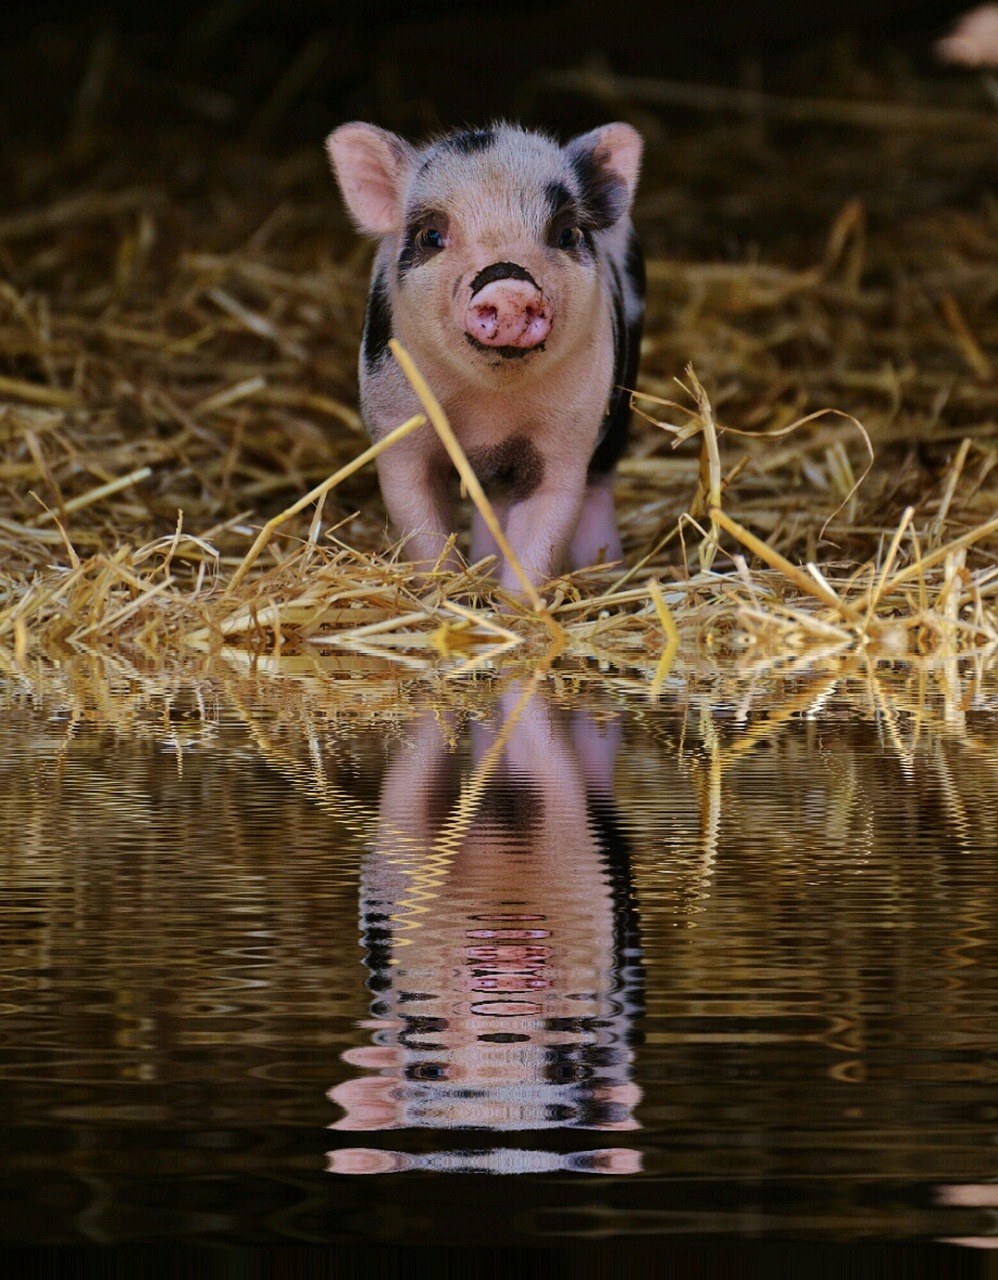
(468,140)
(634,265)
(501,271)
(514,467)
(626,354)
(377,322)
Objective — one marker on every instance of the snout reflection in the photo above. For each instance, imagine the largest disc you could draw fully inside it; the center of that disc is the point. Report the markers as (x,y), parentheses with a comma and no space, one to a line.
(501,940)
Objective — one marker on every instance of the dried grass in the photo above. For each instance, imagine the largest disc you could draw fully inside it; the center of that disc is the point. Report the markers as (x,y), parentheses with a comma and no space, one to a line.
(176,370)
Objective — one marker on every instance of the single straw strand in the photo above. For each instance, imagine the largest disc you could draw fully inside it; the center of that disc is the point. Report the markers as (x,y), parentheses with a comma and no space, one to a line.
(775,561)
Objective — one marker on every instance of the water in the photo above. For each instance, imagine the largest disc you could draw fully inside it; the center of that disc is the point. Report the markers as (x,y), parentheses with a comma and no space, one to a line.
(363,958)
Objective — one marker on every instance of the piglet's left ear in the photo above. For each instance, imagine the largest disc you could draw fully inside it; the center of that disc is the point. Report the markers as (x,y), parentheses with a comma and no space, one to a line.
(607,161)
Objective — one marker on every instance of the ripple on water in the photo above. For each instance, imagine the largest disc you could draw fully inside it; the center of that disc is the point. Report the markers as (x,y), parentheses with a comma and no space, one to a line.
(742,970)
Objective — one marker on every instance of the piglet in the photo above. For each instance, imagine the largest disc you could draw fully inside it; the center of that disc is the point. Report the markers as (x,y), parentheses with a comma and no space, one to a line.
(508,267)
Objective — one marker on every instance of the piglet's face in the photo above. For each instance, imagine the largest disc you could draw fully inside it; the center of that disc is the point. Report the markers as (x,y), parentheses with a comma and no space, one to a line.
(492,236)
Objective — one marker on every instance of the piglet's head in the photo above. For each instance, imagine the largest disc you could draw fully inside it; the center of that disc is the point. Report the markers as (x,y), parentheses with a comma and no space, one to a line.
(492,238)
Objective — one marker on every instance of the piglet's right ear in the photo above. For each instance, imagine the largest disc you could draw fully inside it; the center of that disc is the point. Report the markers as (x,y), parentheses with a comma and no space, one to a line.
(371,166)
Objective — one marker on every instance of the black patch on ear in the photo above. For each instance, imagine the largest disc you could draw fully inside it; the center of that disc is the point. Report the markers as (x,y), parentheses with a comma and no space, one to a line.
(602,192)
(626,355)
(469,140)
(377,323)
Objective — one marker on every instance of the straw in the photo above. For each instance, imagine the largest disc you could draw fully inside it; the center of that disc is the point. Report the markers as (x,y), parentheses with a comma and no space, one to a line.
(178,387)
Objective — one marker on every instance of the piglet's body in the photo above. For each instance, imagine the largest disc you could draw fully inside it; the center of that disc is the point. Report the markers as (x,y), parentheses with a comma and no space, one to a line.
(507,266)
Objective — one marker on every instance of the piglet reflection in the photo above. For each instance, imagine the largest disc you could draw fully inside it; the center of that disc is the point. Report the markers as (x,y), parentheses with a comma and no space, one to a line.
(502,943)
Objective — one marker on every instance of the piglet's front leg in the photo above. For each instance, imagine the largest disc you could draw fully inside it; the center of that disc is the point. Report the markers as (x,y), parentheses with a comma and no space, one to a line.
(417,496)
(539,529)
(483,542)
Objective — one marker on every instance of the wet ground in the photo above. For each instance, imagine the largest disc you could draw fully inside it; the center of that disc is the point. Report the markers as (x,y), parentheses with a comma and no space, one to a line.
(527,961)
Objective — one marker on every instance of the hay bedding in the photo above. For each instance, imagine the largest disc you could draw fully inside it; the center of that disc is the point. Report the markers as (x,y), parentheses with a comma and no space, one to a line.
(814,470)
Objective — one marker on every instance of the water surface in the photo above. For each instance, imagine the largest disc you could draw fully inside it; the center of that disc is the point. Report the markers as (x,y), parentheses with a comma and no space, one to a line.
(524,960)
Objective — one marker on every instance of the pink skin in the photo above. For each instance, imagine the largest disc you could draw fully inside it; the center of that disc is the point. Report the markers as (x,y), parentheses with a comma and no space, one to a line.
(508,313)
(488,210)
(596,540)
(539,529)
(365,1160)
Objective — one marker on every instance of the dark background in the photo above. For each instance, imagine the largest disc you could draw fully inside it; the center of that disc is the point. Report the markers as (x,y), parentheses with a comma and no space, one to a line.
(308,64)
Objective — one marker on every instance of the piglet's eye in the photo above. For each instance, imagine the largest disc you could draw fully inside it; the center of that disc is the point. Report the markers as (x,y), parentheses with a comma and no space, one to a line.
(431,238)
(569,237)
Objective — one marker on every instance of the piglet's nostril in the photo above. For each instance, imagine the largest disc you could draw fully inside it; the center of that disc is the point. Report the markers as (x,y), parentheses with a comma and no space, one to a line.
(509,312)
(485,321)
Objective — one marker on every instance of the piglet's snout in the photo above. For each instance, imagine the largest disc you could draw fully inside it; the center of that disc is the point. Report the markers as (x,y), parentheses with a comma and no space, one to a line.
(509,313)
